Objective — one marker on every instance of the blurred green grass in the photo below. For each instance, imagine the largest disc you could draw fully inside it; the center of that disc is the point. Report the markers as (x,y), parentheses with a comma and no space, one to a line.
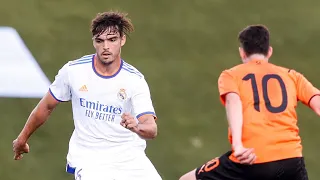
(181,47)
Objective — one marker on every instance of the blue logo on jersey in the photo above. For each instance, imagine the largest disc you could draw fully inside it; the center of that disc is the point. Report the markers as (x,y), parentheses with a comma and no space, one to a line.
(98,111)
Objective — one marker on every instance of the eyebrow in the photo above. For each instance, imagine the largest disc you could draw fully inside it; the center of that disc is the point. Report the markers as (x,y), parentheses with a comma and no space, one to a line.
(97,38)
(110,36)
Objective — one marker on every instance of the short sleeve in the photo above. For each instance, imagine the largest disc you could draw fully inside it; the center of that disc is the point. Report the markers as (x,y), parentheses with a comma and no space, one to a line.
(226,84)
(141,100)
(305,89)
(60,88)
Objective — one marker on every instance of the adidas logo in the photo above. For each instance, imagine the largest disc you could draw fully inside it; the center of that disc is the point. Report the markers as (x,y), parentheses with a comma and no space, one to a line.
(83,88)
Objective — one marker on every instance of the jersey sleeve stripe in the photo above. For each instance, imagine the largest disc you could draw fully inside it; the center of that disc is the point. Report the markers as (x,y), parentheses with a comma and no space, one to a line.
(82,62)
(55,96)
(86,56)
(312,97)
(223,96)
(128,66)
(82,59)
(133,72)
(70,169)
(144,113)
(131,67)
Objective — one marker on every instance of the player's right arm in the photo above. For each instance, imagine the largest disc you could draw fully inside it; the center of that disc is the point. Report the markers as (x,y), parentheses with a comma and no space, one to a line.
(230,97)
(307,93)
(38,116)
(59,91)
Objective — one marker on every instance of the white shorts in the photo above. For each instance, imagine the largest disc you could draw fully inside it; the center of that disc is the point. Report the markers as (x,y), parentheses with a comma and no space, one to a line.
(139,169)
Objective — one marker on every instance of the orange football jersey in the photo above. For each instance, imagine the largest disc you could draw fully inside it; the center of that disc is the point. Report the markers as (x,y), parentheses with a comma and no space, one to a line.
(269,96)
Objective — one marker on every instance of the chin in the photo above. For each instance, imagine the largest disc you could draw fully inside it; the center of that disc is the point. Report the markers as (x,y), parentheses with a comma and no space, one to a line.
(107,62)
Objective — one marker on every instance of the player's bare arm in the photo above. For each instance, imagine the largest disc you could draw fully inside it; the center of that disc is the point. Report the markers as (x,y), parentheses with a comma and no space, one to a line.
(146,126)
(235,120)
(37,117)
(315,104)
(234,116)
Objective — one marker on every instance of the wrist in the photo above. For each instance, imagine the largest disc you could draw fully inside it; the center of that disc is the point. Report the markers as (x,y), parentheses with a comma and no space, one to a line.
(22,139)
(137,128)
(237,144)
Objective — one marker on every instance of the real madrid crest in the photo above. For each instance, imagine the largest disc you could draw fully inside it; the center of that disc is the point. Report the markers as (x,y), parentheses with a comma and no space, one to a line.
(122,95)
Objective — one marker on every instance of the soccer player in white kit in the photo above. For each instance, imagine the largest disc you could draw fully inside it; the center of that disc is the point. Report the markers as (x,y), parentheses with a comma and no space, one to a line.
(112,109)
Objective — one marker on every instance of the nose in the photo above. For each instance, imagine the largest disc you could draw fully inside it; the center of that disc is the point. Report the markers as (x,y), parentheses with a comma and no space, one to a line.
(105,45)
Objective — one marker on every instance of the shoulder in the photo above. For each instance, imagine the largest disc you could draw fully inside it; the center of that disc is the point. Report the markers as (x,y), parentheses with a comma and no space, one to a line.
(232,72)
(75,64)
(283,69)
(292,73)
(131,71)
(86,59)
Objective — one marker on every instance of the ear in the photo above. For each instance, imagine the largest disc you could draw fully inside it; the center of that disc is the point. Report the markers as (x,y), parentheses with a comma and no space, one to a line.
(242,53)
(270,51)
(93,42)
(123,40)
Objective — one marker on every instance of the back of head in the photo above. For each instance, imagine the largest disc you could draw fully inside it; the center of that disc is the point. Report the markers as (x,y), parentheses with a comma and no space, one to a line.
(254,39)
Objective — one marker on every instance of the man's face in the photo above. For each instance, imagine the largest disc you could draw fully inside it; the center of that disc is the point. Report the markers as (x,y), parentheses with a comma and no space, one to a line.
(108,46)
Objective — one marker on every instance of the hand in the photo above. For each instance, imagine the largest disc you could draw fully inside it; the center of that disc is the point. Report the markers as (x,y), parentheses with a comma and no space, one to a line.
(19,148)
(129,122)
(245,155)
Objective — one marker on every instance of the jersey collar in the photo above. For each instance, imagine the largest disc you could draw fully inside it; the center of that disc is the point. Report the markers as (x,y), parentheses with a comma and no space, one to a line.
(102,76)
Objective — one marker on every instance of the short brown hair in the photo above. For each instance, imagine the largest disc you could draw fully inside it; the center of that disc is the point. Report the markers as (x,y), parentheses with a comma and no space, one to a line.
(113,21)
(254,39)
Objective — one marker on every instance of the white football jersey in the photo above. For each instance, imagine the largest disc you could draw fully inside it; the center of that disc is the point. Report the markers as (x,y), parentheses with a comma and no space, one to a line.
(98,103)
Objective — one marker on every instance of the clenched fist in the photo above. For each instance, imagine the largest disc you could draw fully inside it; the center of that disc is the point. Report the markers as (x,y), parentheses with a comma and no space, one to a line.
(19,148)
(129,122)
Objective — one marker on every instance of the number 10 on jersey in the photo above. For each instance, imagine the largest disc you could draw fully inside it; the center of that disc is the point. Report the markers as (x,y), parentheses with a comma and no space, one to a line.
(256,97)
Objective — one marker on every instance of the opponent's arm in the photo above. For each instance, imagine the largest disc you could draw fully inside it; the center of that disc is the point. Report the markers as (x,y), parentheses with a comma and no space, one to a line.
(306,92)
(234,115)
(229,96)
(315,104)
(38,116)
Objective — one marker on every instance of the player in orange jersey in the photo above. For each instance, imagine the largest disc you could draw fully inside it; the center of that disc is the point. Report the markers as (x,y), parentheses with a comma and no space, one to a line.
(260,100)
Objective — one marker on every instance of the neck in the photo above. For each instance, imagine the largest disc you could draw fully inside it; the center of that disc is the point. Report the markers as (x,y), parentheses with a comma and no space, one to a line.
(107,69)
(255,57)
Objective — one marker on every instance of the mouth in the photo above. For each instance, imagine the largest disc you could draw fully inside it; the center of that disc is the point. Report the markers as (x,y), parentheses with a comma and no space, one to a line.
(106,54)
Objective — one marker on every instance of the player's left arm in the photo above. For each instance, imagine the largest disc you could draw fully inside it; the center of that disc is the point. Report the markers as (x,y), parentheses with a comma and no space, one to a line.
(146,126)
(143,118)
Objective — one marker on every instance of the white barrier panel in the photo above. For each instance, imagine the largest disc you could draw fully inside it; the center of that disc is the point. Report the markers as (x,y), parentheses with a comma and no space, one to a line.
(20,74)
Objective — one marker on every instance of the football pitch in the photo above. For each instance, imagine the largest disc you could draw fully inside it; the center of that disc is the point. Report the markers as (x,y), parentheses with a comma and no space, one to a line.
(181,46)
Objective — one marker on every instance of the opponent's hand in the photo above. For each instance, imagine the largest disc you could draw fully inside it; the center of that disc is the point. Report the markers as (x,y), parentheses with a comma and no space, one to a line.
(245,155)
(19,148)
(129,122)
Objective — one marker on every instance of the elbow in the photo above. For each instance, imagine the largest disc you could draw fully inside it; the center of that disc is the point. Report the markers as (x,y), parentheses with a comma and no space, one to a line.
(317,111)
(154,133)
(314,104)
